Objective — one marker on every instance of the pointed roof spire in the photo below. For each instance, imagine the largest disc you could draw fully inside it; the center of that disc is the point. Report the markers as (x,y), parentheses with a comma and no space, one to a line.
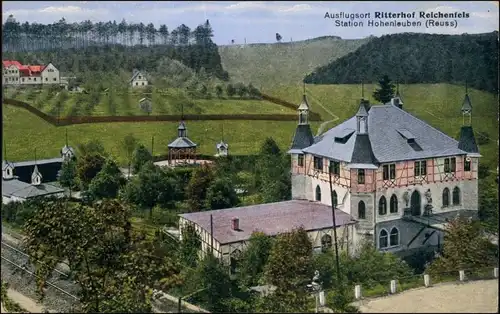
(304,105)
(466,105)
(362,110)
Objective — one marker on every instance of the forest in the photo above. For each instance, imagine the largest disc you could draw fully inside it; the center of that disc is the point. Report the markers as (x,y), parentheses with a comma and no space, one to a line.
(418,58)
(106,47)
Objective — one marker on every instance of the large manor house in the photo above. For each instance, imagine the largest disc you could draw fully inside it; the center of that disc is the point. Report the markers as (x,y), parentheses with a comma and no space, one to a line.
(17,74)
(392,178)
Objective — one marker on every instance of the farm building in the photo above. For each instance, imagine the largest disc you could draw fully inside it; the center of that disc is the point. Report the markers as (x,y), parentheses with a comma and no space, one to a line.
(138,79)
(16,74)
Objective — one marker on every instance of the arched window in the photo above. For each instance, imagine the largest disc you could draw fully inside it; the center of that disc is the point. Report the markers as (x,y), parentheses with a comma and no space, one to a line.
(382,239)
(382,206)
(446,197)
(335,201)
(394,238)
(394,204)
(456,196)
(361,210)
(326,242)
(318,193)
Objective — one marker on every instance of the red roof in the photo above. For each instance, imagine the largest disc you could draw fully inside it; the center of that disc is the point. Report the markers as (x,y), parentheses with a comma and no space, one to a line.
(7,63)
(26,70)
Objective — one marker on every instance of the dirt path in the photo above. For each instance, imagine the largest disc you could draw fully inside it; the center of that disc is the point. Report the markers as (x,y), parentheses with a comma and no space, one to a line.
(26,303)
(323,125)
(471,297)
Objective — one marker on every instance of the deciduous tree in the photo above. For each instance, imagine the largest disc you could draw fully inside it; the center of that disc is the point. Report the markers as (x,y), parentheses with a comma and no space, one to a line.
(254,258)
(88,166)
(190,246)
(107,182)
(67,176)
(141,156)
(196,190)
(221,194)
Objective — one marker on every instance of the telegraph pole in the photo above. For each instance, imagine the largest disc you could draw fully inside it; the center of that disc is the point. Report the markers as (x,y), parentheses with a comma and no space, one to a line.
(334,229)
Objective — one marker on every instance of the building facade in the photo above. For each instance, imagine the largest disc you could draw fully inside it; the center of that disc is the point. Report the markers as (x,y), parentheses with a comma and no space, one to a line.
(17,74)
(138,79)
(399,177)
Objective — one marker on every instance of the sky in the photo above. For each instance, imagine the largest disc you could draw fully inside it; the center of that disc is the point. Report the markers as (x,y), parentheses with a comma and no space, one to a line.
(258,21)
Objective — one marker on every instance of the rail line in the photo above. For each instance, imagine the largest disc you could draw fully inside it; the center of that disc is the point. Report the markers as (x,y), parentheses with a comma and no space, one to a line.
(24,254)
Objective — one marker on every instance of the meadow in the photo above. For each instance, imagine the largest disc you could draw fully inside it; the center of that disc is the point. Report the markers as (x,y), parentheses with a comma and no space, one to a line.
(23,133)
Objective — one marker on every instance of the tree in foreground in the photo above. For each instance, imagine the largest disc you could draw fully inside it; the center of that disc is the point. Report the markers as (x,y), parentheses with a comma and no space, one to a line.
(254,258)
(221,194)
(190,246)
(88,166)
(289,269)
(114,267)
(107,182)
(386,90)
(67,176)
(465,247)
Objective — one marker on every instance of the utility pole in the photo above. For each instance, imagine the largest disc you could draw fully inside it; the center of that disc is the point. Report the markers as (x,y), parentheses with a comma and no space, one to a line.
(152,145)
(334,229)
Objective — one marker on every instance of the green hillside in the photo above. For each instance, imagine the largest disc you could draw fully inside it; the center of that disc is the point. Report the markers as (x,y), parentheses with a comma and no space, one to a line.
(437,104)
(268,65)
(418,58)
(23,132)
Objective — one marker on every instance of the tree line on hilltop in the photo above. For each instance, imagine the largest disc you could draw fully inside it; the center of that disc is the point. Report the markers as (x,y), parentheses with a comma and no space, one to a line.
(418,58)
(87,46)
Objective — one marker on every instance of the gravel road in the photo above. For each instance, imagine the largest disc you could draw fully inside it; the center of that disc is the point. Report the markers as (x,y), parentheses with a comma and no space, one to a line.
(469,297)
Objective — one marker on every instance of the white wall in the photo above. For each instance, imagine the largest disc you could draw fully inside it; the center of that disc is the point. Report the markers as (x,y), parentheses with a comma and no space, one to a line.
(139,81)
(11,75)
(50,75)
(343,196)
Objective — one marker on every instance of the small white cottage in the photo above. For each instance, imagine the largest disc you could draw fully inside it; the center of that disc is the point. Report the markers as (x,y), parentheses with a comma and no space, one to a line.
(138,79)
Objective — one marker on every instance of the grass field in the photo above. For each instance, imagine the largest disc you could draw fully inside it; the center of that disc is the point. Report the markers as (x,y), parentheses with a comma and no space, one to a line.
(120,104)
(437,104)
(23,132)
(283,63)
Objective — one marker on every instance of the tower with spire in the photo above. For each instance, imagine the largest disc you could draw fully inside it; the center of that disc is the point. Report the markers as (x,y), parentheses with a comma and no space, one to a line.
(182,150)
(36,176)
(7,166)
(467,141)
(67,152)
(222,147)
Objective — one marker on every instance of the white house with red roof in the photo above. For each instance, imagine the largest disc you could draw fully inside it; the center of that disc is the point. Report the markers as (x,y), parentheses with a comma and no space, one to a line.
(17,74)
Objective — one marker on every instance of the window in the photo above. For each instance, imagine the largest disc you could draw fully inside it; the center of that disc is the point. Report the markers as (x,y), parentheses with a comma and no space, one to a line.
(361,210)
(318,193)
(394,237)
(456,196)
(394,204)
(335,201)
(300,160)
(450,165)
(326,242)
(8,172)
(142,83)
(140,77)
(54,79)
(23,79)
(382,206)
(318,163)
(446,197)
(466,164)
(46,79)
(389,172)
(420,168)
(361,176)
(334,167)
(136,83)
(382,239)
(34,79)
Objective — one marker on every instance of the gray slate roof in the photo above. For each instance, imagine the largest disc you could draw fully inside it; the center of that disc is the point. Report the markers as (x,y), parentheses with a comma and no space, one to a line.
(37,162)
(271,219)
(182,142)
(387,144)
(302,138)
(24,190)
(467,141)
(135,73)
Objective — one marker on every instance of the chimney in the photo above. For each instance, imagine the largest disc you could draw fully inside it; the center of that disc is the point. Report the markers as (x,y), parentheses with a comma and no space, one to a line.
(235,224)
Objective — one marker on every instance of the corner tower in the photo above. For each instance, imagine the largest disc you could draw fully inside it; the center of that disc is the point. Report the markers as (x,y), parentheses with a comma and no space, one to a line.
(302,138)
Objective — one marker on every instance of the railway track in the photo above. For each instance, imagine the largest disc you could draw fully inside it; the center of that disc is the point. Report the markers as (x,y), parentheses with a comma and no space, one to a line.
(61,292)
